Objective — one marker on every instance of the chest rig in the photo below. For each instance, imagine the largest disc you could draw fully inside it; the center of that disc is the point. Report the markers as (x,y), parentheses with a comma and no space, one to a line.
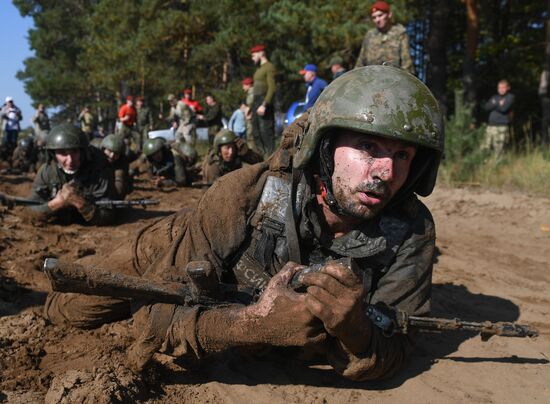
(267,249)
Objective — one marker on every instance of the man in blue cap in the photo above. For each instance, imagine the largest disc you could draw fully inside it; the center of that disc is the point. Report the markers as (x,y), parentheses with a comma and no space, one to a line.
(313,83)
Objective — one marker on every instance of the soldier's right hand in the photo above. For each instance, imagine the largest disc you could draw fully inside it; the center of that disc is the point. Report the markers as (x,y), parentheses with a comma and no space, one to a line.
(282,315)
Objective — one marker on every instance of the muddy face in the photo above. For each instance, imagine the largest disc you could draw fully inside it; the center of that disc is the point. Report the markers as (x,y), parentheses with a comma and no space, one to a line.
(368,172)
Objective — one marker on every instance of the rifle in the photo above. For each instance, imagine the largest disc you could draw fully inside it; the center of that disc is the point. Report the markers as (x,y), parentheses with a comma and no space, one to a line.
(203,288)
(125,203)
(200,184)
(10,201)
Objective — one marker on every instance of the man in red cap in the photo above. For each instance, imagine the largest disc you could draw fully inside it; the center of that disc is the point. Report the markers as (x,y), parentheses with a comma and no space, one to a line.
(127,116)
(190,102)
(387,42)
(248,88)
(263,119)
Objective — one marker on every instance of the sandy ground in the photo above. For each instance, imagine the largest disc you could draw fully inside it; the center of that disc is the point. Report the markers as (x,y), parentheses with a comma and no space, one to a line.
(492,264)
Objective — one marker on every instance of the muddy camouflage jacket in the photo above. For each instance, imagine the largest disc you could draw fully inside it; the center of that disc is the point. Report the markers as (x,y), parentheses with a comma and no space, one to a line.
(214,167)
(94,179)
(231,229)
(391,46)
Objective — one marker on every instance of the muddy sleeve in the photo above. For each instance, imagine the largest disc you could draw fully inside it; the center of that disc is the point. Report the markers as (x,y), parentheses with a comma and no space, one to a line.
(180,174)
(211,170)
(406,286)
(121,183)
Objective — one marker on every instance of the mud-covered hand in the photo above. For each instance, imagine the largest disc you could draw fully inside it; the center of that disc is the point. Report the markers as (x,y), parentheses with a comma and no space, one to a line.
(335,296)
(282,316)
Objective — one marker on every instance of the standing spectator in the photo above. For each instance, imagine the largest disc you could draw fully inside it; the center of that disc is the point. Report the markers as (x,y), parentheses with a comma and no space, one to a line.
(41,120)
(337,67)
(190,102)
(144,121)
(313,83)
(212,117)
(544,94)
(387,42)
(498,128)
(87,121)
(263,117)
(127,116)
(237,122)
(248,88)
(11,116)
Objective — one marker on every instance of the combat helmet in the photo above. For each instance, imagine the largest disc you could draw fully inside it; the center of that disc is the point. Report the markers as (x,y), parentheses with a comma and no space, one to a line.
(224,136)
(384,101)
(114,143)
(66,136)
(185,149)
(151,146)
(26,143)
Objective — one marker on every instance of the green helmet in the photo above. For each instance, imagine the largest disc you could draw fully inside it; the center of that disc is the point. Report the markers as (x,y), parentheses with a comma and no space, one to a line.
(185,149)
(151,146)
(383,101)
(26,142)
(66,136)
(224,136)
(113,143)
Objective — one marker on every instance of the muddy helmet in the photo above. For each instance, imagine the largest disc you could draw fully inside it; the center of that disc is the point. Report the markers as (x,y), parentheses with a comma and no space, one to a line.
(114,143)
(66,136)
(185,149)
(224,136)
(384,101)
(151,146)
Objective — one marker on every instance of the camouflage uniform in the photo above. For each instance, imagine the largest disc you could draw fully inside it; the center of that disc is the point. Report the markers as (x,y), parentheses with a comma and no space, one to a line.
(94,179)
(391,46)
(144,124)
(87,123)
(214,167)
(397,245)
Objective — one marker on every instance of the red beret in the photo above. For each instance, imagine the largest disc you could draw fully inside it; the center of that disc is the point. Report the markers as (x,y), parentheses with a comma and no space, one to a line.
(188,91)
(380,6)
(248,81)
(129,98)
(140,98)
(257,48)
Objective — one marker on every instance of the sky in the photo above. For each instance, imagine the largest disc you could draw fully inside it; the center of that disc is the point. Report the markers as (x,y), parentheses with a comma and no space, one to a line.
(15,48)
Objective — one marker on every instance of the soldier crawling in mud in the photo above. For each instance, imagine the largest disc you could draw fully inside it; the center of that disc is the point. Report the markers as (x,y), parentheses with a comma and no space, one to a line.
(75,176)
(342,184)
(227,154)
(165,167)
(114,149)
(25,157)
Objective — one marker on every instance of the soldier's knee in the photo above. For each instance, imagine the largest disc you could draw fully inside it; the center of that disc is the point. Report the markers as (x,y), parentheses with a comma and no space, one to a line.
(82,311)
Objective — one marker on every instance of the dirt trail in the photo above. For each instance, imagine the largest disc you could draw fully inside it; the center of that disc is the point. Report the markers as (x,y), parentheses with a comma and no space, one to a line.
(493,263)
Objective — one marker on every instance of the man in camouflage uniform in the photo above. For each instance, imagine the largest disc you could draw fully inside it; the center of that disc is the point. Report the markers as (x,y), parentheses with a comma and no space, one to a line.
(87,122)
(342,184)
(164,167)
(387,42)
(144,121)
(228,154)
(76,176)
(248,89)
(25,156)
(113,148)
(181,119)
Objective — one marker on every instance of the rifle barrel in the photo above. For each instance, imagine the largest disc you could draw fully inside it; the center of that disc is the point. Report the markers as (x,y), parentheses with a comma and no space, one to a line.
(487,328)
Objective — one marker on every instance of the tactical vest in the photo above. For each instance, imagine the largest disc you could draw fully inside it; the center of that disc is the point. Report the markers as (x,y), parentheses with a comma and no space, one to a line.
(267,249)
